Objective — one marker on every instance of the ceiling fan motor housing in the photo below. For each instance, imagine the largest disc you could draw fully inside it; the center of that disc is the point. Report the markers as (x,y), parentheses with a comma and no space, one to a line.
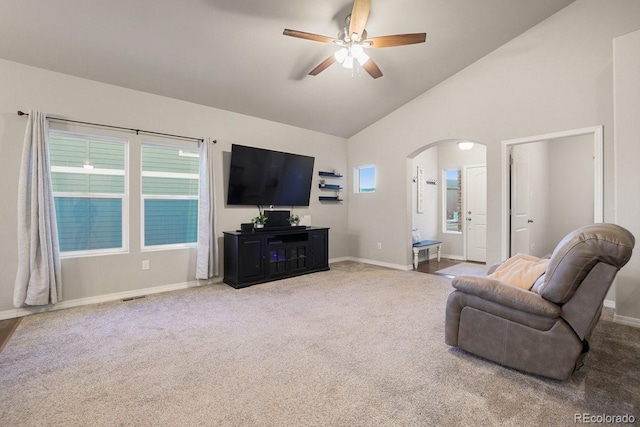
(353,38)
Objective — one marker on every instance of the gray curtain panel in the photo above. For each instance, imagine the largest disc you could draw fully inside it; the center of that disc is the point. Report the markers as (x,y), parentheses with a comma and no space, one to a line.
(207,251)
(39,278)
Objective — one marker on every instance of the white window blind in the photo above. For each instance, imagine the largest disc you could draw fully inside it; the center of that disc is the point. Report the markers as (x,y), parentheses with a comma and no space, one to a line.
(170,180)
(89,177)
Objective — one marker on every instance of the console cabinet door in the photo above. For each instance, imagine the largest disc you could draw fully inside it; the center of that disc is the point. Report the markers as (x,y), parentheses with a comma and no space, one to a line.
(251,259)
(297,257)
(276,260)
(319,253)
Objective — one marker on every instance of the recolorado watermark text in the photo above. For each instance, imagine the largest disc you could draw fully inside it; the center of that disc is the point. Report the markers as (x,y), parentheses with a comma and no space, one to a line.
(604,418)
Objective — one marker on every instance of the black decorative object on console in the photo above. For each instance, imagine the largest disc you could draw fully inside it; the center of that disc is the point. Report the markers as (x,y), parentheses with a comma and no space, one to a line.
(277,218)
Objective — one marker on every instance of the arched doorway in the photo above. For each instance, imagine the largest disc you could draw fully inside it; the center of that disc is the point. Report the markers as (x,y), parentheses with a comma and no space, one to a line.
(447,189)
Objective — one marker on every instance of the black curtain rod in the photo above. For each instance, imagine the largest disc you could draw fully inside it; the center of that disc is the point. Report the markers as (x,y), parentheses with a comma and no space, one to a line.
(137,131)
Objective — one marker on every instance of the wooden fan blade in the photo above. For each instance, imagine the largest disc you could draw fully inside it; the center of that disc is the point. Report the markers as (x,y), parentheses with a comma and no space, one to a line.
(372,68)
(396,40)
(309,36)
(359,16)
(323,66)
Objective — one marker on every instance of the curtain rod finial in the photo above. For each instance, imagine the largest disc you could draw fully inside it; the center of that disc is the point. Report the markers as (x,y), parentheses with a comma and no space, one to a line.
(20,113)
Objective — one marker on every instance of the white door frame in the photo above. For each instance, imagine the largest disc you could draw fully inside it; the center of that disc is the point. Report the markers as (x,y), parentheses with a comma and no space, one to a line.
(598,175)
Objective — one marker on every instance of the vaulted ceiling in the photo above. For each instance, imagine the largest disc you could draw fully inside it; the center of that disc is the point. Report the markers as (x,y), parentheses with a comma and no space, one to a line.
(231,54)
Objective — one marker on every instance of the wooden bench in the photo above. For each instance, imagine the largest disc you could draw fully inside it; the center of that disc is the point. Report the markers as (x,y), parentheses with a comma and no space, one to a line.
(424,244)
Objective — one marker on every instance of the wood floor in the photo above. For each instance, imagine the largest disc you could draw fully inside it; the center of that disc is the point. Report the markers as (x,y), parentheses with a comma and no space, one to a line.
(433,265)
(6,330)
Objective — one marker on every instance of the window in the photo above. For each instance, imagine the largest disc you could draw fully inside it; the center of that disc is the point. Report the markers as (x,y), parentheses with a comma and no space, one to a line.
(452,200)
(89,178)
(364,179)
(170,180)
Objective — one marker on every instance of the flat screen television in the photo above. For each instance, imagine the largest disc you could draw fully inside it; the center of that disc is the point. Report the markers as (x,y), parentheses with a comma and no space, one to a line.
(266,177)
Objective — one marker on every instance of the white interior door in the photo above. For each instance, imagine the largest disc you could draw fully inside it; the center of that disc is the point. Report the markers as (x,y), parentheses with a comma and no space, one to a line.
(520,200)
(476,212)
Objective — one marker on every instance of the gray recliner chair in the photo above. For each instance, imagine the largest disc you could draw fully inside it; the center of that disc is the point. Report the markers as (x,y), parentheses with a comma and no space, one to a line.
(544,330)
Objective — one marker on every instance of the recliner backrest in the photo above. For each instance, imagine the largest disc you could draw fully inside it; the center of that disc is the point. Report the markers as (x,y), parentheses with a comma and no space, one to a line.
(578,253)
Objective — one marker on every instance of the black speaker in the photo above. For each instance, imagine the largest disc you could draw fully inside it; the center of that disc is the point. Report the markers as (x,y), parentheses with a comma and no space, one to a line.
(277,218)
(247,226)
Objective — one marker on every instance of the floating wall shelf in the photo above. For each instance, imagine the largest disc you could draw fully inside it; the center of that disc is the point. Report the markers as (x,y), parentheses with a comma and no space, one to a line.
(330,187)
(329,174)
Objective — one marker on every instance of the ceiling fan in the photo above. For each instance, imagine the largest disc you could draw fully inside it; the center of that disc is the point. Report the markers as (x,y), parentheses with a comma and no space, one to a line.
(353,40)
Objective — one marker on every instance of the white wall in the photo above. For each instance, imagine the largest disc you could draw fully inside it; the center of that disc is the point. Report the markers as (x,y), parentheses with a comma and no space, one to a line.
(556,76)
(571,172)
(627,176)
(24,88)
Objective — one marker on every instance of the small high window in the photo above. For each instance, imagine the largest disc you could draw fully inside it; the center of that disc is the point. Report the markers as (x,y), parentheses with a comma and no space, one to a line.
(364,179)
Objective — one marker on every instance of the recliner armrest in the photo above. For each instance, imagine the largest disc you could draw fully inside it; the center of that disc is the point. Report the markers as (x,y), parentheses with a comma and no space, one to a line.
(506,295)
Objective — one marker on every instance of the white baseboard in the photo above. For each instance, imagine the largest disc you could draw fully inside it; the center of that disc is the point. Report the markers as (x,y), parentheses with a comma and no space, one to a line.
(25,311)
(625,320)
(344,258)
(381,263)
(631,321)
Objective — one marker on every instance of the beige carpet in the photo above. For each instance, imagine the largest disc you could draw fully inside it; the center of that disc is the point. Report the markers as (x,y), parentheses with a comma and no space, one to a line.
(355,346)
(464,268)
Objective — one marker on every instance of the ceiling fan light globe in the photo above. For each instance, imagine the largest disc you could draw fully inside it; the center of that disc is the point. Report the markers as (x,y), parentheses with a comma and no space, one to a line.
(362,58)
(341,54)
(348,62)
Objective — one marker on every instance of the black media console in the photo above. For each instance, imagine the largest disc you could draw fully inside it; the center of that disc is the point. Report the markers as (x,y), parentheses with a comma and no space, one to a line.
(252,257)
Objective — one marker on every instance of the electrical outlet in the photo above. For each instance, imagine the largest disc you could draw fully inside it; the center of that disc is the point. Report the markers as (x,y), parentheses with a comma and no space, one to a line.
(145,264)
(379,245)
